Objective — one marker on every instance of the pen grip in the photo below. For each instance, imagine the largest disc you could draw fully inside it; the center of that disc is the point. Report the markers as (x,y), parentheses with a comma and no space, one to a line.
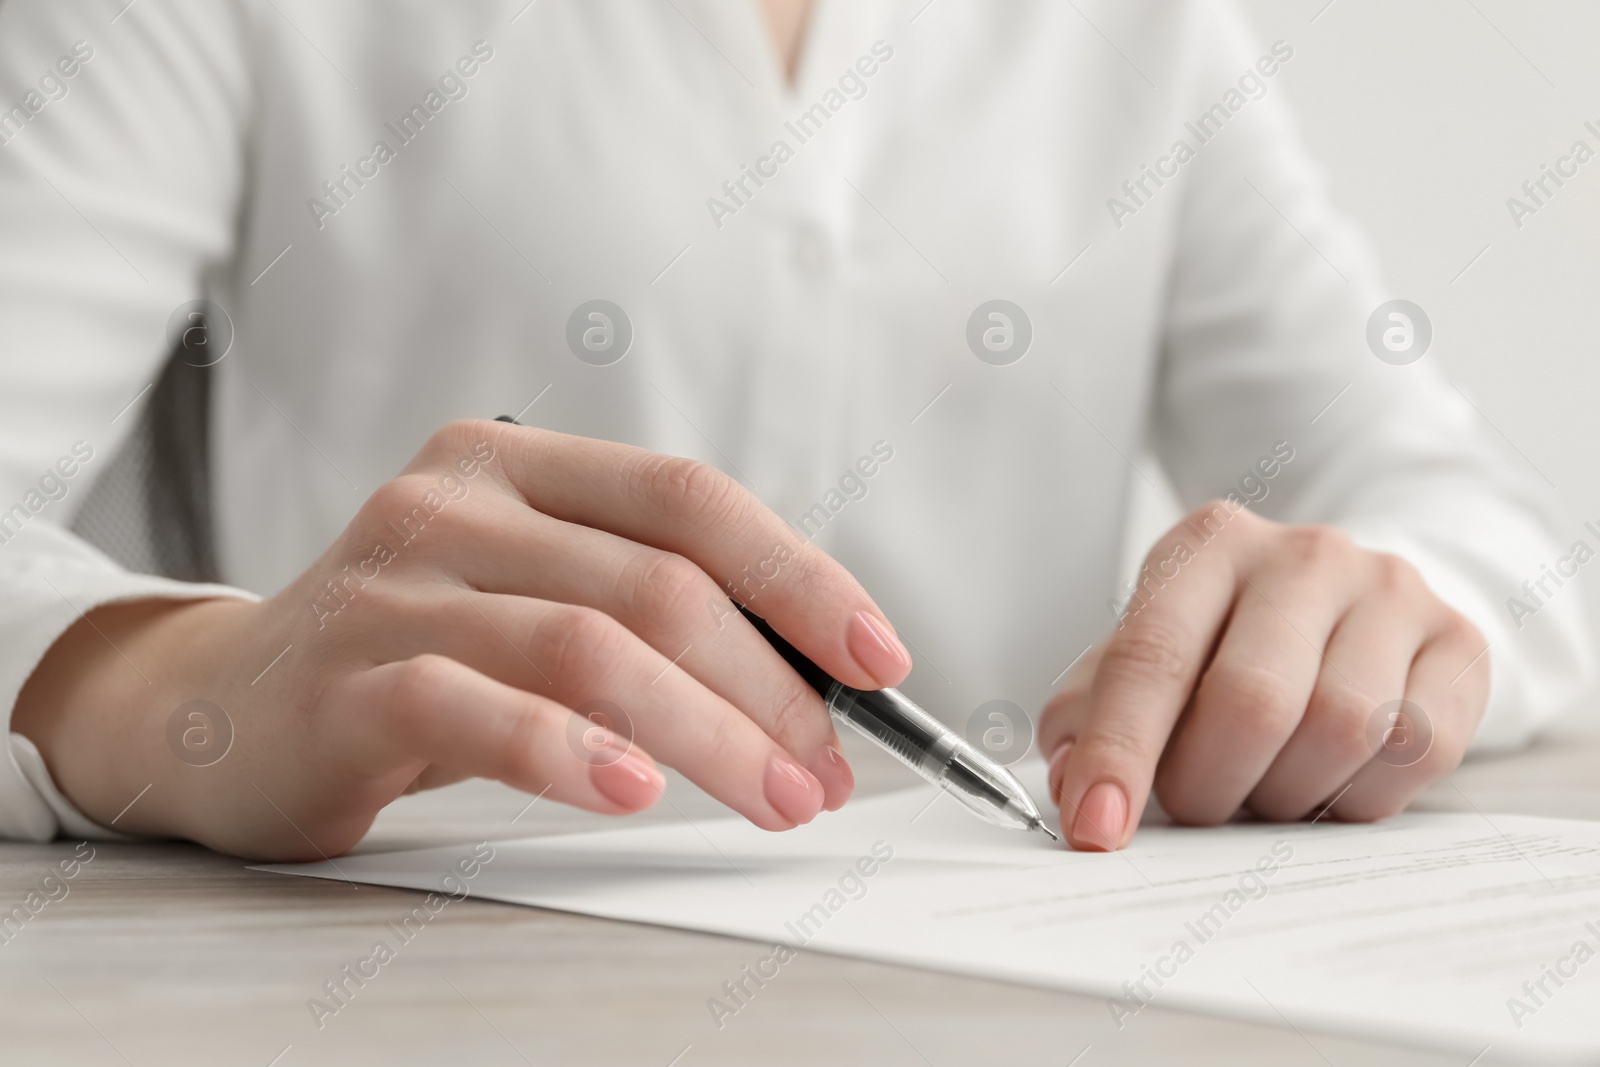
(895,724)
(901,728)
(907,732)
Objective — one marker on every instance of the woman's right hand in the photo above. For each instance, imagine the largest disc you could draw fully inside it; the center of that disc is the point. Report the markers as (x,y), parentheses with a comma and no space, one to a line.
(507,579)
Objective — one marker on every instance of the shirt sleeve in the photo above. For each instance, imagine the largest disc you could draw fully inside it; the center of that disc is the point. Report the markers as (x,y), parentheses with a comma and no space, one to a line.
(1269,300)
(121,156)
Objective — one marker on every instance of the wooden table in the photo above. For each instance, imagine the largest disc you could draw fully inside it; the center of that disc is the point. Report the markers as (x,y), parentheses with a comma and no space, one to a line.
(169,954)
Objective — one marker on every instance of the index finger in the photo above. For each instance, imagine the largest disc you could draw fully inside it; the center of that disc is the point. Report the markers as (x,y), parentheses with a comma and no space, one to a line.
(698,512)
(1143,682)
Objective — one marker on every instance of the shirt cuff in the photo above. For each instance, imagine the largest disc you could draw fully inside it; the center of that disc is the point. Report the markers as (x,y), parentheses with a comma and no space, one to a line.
(48,813)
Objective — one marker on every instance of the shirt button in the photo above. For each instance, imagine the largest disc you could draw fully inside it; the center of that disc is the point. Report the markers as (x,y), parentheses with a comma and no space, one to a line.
(813,253)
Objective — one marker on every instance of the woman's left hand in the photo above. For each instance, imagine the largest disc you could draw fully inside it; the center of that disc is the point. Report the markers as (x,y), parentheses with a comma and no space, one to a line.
(1263,666)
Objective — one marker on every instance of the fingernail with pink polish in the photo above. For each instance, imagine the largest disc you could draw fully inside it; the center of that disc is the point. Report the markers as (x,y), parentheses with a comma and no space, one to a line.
(1102,818)
(631,782)
(1058,765)
(877,649)
(838,781)
(791,791)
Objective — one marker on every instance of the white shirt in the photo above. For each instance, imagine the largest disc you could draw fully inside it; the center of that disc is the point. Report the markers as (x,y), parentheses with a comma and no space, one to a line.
(934,158)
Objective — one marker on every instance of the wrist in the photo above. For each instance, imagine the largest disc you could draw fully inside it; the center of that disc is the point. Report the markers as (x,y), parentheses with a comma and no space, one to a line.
(97,707)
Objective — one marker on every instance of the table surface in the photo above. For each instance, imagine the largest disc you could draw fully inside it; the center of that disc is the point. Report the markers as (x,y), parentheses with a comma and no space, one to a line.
(165,953)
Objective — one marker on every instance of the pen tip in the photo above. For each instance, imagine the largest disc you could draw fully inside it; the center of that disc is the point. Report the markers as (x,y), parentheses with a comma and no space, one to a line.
(1046,829)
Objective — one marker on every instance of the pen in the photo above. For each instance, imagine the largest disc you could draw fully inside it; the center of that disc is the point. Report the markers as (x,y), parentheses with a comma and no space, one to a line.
(891,720)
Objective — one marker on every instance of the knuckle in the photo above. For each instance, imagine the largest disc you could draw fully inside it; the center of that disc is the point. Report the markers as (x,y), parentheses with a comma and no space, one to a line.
(795,714)
(724,746)
(1215,514)
(1148,649)
(664,587)
(812,573)
(421,685)
(460,437)
(1256,701)
(404,508)
(447,442)
(579,643)
(453,433)
(1344,713)
(1117,743)
(690,490)
(1319,546)
(396,498)
(1395,576)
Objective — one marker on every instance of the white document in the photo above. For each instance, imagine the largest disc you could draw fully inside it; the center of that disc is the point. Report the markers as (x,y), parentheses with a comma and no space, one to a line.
(1450,931)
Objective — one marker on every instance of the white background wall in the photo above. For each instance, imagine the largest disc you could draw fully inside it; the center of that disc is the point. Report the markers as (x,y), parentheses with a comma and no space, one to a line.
(1427,115)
